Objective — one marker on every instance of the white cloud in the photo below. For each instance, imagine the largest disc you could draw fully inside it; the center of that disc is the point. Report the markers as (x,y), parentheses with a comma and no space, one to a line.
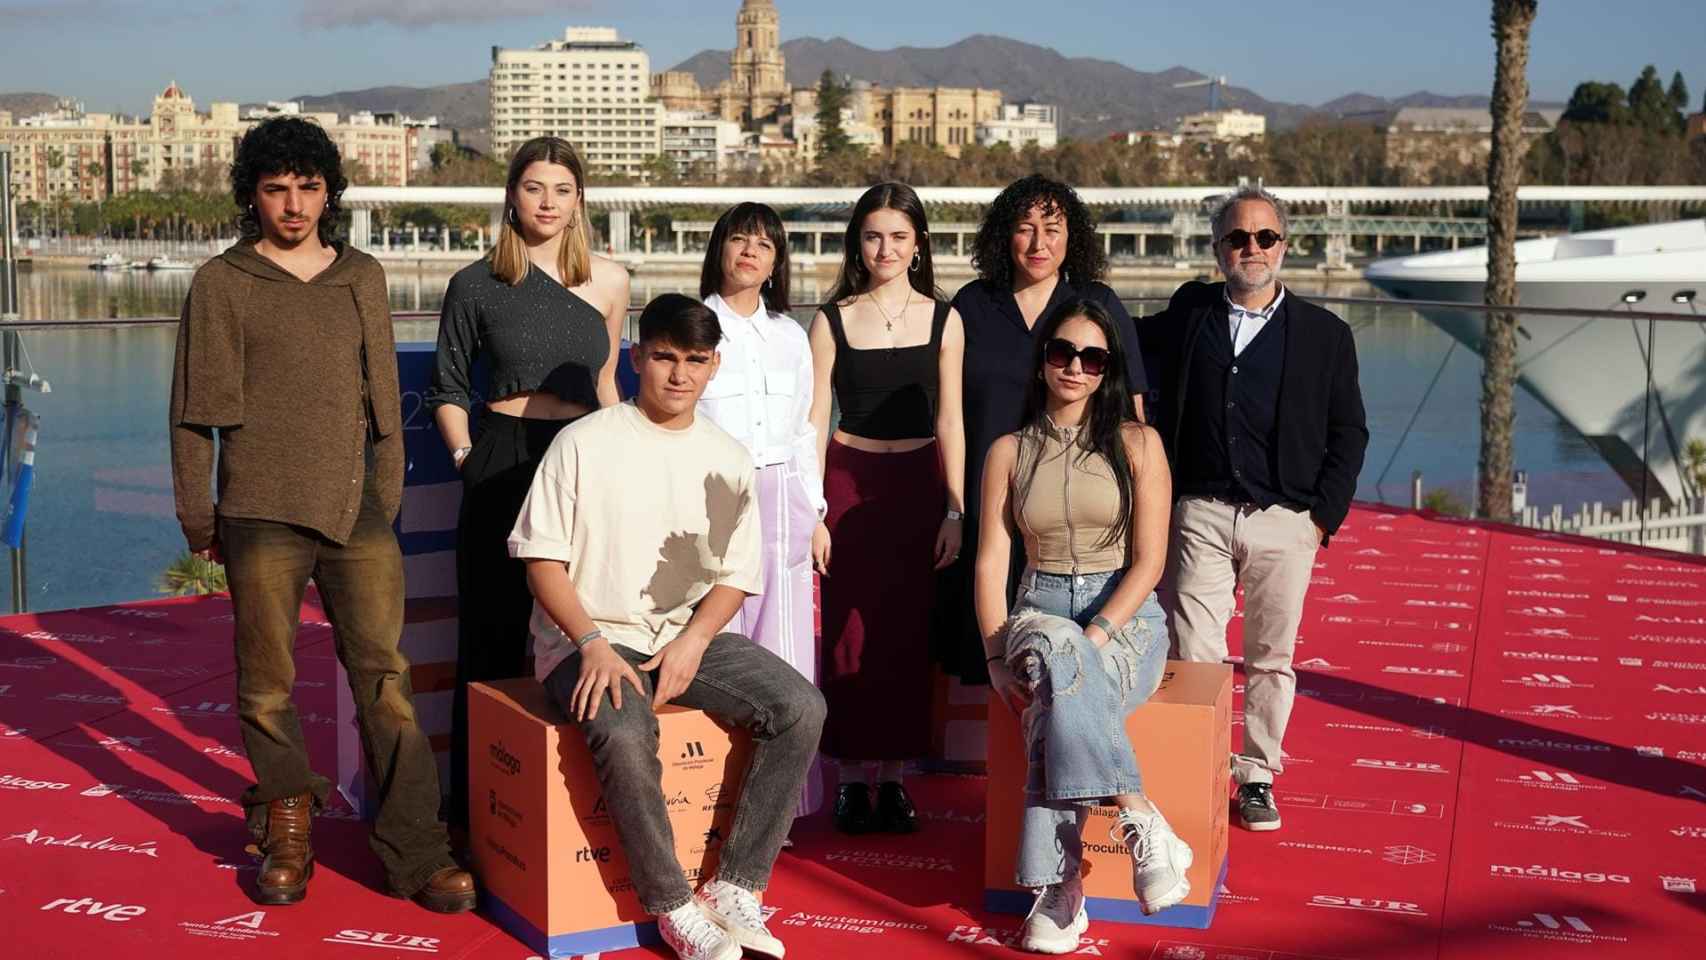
(426,13)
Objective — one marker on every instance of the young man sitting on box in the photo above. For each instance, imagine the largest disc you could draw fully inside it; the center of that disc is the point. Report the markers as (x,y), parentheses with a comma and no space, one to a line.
(642,540)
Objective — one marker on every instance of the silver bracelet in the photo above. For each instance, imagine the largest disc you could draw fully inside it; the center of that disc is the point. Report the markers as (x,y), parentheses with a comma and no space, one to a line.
(1100,621)
(581,642)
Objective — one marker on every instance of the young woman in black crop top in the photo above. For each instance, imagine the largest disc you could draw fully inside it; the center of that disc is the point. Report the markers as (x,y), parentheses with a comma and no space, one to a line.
(893,478)
(543,317)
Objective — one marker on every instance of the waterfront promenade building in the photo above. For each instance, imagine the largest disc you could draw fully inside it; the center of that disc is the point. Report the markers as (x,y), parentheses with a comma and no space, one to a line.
(591,88)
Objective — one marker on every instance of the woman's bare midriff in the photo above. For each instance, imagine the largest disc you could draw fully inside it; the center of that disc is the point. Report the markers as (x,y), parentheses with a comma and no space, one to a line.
(533,405)
(868,445)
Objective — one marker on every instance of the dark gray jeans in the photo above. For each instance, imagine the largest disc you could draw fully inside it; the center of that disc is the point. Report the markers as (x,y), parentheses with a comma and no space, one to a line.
(740,683)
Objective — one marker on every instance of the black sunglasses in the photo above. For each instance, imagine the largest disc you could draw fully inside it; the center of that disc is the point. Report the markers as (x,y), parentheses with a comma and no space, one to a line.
(1237,239)
(1059,353)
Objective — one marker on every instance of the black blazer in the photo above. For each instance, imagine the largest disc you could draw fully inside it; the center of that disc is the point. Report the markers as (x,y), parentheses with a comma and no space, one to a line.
(1322,432)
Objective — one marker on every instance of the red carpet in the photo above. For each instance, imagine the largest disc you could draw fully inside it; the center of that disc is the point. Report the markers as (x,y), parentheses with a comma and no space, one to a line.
(1499,753)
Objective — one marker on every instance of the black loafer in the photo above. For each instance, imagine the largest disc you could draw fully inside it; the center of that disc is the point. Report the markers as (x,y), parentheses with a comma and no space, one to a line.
(895,812)
(853,808)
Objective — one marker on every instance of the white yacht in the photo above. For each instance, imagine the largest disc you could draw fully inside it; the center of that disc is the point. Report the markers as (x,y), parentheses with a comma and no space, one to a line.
(112,261)
(1592,371)
(164,262)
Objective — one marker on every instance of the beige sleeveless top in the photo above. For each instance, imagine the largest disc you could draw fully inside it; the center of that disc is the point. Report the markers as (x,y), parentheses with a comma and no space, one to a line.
(1072,502)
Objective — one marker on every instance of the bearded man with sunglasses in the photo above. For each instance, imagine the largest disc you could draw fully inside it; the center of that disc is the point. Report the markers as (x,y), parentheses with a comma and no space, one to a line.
(1263,422)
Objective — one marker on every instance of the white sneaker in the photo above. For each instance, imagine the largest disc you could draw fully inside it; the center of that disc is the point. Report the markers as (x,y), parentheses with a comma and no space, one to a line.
(693,936)
(1057,919)
(737,912)
(1159,859)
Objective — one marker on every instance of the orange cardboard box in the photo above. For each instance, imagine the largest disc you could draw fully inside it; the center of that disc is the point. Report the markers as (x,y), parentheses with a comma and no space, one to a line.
(544,846)
(1182,738)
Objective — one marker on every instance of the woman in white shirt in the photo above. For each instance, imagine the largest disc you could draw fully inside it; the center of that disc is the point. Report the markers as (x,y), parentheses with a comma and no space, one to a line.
(762,394)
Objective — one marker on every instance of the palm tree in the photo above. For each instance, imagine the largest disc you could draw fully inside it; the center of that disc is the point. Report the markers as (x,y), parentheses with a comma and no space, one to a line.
(190,575)
(1511,22)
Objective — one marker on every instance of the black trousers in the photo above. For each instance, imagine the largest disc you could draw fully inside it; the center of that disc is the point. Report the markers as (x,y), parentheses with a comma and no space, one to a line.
(494,603)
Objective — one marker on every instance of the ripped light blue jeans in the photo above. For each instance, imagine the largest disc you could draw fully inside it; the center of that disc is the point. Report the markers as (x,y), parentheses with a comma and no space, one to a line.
(1075,727)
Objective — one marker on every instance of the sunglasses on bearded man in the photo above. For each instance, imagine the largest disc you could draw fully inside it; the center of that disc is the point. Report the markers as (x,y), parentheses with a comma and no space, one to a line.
(1237,239)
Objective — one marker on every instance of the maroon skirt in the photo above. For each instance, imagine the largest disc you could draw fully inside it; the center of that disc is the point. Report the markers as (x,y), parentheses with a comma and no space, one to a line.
(885,510)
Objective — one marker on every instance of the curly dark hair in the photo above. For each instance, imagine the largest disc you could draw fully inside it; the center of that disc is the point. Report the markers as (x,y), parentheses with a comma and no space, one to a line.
(287,145)
(992,250)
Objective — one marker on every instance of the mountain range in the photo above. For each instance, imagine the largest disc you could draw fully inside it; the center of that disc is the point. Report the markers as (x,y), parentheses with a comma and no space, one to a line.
(1095,97)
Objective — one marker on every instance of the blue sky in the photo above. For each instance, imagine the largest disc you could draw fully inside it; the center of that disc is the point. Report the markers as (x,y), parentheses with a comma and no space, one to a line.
(116,54)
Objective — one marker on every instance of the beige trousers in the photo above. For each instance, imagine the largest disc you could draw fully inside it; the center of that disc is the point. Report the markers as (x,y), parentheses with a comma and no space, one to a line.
(1215,548)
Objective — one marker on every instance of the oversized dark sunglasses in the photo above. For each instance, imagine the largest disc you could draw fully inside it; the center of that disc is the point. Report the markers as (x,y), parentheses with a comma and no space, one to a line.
(1059,353)
(1237,239)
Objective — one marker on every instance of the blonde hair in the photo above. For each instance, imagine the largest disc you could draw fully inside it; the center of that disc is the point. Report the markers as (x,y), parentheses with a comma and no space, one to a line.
(508,256)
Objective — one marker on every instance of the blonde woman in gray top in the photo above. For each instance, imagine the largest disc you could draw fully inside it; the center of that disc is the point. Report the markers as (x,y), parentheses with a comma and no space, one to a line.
(1088,490)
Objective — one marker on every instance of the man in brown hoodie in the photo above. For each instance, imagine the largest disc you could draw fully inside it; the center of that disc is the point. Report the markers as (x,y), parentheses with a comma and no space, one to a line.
(285,352)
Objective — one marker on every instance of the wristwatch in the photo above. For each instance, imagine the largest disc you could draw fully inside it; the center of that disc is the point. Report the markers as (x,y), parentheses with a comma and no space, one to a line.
(1100,621)
(955,515)
(460,454)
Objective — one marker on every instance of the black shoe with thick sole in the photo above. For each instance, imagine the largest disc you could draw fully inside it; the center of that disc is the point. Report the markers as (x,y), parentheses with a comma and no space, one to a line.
(895,812)
(853,808)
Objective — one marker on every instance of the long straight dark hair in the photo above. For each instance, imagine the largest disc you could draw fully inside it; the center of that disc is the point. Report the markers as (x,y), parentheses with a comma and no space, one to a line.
(855,277)
(748,218)
(1105,417)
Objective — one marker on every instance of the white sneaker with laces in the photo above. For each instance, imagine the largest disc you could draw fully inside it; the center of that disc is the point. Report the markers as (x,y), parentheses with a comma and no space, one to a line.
(693,935)
(1057,919)
(1159,859)
(738,912)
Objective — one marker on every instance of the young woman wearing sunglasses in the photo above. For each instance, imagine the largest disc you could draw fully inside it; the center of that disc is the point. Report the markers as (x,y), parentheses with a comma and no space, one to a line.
(893,468)
(1087,490)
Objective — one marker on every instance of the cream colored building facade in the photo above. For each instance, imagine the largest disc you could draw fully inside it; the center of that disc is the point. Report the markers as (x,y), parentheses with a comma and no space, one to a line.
(592,88)
(946,117)
(100,155)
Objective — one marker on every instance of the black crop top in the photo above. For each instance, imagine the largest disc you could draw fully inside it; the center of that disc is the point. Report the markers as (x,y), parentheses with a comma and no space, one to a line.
(534,336)
(887,393)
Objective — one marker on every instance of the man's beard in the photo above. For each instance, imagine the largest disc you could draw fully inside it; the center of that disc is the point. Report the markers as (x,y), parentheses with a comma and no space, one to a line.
(1252,276)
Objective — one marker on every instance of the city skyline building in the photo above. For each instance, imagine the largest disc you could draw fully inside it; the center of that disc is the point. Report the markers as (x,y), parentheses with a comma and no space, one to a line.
(88,157)
(592,88)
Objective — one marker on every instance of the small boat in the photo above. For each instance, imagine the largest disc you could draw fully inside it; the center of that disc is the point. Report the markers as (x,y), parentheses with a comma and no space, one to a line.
(111,261)
(169,263)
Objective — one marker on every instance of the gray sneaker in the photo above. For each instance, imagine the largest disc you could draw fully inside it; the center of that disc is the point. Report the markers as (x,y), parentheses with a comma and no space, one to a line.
(1057,919)
(1256,808)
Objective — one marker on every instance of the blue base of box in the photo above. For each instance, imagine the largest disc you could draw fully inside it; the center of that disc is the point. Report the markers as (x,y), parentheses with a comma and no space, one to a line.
(620,937)
(1119,910)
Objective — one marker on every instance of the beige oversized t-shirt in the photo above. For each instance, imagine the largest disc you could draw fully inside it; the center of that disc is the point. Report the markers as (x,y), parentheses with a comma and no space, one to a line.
(647,519)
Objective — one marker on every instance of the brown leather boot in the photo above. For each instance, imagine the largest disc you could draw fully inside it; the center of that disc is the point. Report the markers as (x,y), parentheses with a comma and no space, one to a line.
(450,890)
(289,857)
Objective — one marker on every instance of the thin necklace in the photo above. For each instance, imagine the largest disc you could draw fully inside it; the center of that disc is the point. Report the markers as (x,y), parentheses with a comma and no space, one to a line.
(888,321)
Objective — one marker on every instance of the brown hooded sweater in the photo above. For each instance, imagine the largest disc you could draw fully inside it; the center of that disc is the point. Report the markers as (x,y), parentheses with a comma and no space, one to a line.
(295,376)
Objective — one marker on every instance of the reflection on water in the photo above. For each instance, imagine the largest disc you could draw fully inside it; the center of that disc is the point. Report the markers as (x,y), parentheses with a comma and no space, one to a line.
(102,524)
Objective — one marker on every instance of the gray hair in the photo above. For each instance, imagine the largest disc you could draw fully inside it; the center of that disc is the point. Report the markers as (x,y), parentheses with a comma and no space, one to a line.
(1224,205)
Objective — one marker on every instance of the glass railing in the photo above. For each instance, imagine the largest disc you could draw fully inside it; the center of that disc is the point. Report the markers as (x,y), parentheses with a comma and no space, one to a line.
(1605,449)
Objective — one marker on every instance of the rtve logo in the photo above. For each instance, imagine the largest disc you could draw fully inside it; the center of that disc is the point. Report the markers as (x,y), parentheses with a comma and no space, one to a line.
(115,912)
(592,855)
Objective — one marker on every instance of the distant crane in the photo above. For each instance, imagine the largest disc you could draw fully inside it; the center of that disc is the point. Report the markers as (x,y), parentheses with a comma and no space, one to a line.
(1212,83)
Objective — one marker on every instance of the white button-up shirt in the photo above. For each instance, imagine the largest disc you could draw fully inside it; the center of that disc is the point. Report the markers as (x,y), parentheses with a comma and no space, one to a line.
(762,393)
(1245,323)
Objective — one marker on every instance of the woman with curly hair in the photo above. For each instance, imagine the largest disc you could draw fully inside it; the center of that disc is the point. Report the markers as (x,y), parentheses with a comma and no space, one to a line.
(890,349)
(285,352)
(542,317)
(1036,251)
